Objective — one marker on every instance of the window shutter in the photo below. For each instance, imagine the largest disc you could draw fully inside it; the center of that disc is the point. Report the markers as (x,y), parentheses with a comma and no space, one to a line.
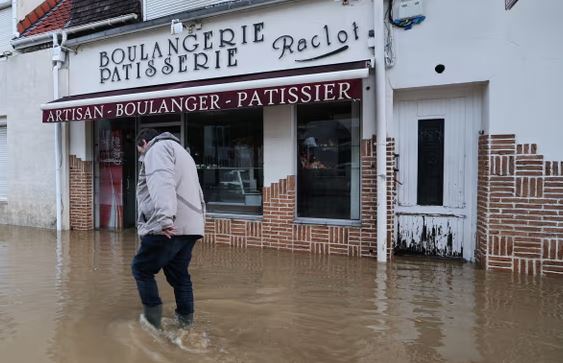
(159,8)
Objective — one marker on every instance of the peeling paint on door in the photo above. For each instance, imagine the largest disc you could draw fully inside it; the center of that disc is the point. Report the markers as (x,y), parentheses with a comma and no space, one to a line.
(430,235)
(436,193)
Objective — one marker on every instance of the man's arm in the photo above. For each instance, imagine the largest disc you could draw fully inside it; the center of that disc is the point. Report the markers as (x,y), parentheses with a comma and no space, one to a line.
(159,168)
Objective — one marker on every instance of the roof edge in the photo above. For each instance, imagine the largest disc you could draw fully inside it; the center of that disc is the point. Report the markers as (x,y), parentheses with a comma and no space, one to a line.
(220,9)
(23,43)
(34,15)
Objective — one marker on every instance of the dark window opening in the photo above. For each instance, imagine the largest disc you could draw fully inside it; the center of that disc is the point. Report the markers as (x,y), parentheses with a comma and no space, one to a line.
(328,172)
(227,148)
(430,162)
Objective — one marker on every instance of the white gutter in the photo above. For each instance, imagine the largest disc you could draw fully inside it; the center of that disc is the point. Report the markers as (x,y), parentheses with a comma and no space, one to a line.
(15,18)
(58,138)
(43,38)
(381,149)
(213,88)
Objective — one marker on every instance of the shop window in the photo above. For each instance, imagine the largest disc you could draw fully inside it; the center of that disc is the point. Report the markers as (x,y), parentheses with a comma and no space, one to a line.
(115,173)
(430,162)
(227,147)
(3,159)
(328,172)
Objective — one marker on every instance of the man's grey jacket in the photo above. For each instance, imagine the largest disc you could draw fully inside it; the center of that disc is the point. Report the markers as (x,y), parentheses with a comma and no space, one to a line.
(168,192)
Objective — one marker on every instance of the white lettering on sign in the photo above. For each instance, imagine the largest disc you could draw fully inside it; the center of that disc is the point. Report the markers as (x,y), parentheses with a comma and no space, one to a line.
(328,91)
(76,114)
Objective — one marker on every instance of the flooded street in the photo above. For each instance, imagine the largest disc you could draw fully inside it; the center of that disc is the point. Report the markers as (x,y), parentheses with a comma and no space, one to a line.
(74,300)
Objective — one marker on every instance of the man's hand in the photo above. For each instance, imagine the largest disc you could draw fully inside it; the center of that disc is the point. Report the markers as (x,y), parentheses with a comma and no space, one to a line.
(169,231)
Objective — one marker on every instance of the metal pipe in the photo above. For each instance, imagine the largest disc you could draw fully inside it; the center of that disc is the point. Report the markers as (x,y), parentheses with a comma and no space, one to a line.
(15,18)
(58,139)
(5,4)
(43,38)
(381,149)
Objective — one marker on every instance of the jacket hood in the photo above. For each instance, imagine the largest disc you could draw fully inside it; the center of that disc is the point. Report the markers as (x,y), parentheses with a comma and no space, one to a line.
(165,136)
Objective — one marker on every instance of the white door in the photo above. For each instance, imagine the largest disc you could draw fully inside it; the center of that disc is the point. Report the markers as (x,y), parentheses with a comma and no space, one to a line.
(437,140)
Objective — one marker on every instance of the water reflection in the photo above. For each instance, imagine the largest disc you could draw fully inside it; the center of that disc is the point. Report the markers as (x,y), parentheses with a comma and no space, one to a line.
(72,299)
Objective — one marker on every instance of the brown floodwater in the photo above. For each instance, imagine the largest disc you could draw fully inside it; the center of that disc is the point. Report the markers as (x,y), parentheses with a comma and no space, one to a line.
(72,299)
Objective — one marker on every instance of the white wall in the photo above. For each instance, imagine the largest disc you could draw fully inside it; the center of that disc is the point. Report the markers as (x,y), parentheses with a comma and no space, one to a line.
(92,67)
(518,53)
(280,150)
(26,6)
(81,140)
(31,167)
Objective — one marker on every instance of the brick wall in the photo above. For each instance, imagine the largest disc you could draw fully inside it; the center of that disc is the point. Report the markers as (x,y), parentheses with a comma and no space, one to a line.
(520,208)
(81,194)
(278,230)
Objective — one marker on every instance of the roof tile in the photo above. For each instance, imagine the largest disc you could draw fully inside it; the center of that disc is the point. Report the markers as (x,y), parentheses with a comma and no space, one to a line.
(55,19)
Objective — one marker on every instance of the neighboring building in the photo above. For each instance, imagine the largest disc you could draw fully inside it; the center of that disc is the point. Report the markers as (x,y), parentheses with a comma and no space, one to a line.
(276,104)
(27,159)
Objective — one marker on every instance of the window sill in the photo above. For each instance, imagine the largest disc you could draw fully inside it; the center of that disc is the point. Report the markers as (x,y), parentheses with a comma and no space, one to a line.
(329,222)
(3,201)
(234,216)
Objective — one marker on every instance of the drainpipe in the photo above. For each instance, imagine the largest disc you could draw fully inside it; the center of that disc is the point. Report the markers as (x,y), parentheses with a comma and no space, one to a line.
(381,130)
(15,19)
(58,59)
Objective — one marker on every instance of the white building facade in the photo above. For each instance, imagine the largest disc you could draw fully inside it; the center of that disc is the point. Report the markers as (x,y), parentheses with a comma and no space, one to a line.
(279,108)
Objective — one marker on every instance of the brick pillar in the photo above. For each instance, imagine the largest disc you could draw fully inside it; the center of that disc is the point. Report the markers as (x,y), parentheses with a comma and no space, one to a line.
(520,208)
(81,194)
(483,199)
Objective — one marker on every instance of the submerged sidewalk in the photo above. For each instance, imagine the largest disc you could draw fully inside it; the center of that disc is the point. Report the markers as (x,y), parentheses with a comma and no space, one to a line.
(68,297)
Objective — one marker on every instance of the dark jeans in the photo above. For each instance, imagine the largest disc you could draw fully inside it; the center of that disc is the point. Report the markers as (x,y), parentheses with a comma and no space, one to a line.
(173,256)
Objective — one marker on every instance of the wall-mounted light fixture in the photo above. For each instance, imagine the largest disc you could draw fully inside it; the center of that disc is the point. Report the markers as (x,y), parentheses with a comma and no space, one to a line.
(5,54)
(176,27)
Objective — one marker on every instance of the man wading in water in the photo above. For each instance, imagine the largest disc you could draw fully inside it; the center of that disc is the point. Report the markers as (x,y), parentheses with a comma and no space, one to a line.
(170,221)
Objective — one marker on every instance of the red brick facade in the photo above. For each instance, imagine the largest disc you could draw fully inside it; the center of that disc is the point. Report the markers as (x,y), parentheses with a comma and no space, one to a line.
(81,194)
(520,208)
(279,230)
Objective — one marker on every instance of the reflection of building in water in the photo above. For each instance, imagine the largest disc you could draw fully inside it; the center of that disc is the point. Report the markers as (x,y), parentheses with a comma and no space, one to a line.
(30,293)
(96,282)
(430,309)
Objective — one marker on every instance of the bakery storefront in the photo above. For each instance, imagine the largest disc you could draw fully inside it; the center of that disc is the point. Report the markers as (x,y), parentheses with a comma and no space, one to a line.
(278,116)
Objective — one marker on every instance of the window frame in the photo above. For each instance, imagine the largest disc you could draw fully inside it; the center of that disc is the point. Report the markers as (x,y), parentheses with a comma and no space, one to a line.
(351,222)
(226,214)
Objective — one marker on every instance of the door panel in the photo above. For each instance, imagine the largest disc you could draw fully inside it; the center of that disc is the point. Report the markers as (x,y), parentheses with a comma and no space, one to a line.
(429,225)
(431,235)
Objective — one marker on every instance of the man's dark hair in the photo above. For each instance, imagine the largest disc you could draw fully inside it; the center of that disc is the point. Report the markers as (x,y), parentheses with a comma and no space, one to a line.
(147,135)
